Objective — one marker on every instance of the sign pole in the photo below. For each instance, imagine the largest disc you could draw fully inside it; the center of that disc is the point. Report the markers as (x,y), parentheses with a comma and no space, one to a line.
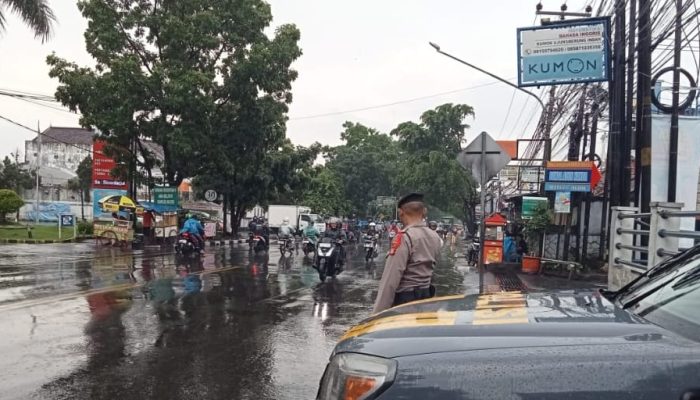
(482,228)
(60,218)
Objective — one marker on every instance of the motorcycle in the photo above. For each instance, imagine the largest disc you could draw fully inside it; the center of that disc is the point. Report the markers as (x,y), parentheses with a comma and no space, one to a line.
(326,262)
(186,245)
(370,246)
(259,244)
(307,247)
(286,245)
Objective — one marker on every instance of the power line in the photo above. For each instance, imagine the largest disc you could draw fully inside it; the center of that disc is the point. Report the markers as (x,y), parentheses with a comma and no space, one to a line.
(330,114)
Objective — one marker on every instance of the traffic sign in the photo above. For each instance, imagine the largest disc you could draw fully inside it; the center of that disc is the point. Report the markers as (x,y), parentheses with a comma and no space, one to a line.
(566,187)
(575,173)
(167,196)
(494,160)
(210,195)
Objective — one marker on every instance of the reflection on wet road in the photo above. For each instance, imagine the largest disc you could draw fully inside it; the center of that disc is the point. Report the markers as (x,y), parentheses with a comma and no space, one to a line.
(86,323)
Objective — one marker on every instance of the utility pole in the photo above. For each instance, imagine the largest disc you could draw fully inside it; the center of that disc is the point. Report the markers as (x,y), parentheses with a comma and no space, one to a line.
(673,151)
(631,120)
(644,103)
(616,160)
(38,167)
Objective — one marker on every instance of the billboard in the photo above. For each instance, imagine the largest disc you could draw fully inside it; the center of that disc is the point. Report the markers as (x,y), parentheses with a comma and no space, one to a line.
(99,194)
(530,205)
(102,166)
(566,52)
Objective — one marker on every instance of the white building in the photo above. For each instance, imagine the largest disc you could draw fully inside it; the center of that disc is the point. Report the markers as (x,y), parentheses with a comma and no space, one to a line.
(61,148)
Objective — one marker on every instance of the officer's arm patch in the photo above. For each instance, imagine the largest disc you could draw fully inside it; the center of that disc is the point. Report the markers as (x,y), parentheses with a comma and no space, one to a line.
(396,244)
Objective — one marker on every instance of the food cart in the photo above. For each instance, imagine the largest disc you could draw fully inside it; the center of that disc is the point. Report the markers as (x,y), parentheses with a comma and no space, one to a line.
(494,231)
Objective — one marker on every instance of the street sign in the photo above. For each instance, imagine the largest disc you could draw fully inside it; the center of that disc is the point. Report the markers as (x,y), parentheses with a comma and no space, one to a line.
(210,195)
(571,176)
(564,52)
(566,187)
(67,220)
(167,196)
(531,174)
(495,158)
(562,202)
(530,205)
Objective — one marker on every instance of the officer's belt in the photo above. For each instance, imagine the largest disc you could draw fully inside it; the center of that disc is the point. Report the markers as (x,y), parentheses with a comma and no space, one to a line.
(413,295)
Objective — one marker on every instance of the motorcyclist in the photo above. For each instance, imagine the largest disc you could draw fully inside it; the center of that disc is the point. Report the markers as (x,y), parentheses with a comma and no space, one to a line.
(433,225)
(371,230)
(285,229)
(194,228)
(336,233)
(311,233)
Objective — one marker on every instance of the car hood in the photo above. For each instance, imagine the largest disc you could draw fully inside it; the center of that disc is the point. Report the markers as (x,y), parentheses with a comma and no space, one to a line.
(508,320)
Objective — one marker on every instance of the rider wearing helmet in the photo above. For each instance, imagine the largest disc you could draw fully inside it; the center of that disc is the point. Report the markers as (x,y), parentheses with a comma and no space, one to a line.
(195,229)
(336,233)
(433,225)
(285,229)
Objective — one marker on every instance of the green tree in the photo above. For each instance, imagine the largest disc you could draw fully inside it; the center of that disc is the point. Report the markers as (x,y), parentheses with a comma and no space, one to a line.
(325,193)
(10,202)
(201,78)
(429,161)
(35,13)
(12,176)
(365,164)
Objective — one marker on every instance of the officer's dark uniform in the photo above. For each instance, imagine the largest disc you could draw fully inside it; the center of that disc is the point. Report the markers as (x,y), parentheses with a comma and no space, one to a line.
(409,265)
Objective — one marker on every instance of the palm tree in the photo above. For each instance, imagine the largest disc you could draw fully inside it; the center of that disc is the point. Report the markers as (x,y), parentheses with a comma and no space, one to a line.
(35,13)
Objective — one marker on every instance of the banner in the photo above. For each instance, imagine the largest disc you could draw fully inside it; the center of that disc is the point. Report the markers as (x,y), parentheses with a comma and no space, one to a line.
(97,195)
(562,202)
(102,167)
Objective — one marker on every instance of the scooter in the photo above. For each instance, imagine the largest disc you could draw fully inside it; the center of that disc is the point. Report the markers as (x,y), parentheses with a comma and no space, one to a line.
(259,244)
(370,246)
(307,247)
(186,245)
(327,258)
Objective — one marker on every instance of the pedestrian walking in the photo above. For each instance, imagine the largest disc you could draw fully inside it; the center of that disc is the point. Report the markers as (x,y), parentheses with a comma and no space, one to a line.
(409,265)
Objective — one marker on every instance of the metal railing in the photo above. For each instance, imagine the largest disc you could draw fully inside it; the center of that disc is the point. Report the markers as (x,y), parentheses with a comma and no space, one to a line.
(639,241)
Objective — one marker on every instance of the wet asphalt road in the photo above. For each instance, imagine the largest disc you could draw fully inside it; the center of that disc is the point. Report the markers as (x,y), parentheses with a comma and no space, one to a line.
(80,322)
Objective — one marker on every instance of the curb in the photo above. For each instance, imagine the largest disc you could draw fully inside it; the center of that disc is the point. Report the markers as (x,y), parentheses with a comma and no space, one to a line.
(37,241)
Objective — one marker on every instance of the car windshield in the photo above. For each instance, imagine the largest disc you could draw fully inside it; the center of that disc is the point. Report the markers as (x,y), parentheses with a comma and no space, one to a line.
(671,300)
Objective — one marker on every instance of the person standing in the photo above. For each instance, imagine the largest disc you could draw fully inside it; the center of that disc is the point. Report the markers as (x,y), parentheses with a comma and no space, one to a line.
(409,265)
(148,218)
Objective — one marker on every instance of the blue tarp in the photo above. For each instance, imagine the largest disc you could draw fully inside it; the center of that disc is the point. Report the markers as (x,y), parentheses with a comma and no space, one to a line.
(510,253)
(48,212)
(159,208)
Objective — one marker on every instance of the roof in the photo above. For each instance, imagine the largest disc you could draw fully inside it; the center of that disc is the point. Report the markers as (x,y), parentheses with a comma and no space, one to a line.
(510,147)
(57,134)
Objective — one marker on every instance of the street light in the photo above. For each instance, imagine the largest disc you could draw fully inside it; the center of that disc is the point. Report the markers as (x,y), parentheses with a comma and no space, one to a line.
(437,48)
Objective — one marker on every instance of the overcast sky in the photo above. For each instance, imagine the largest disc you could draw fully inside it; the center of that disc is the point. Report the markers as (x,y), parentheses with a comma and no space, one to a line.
(357,55)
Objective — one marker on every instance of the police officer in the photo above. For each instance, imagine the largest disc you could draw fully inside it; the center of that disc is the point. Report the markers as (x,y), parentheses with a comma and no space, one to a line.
(409,265)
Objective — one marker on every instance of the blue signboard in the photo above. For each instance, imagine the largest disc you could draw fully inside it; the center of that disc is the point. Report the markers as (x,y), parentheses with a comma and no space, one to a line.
(567,175)
(564,52)
(67,220)
(567,187)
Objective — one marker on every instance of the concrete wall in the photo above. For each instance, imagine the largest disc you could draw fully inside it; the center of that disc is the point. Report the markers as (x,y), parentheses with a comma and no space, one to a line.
(56,155)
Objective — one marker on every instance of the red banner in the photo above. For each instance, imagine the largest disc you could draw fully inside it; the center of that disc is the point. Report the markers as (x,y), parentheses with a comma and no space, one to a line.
(102,167)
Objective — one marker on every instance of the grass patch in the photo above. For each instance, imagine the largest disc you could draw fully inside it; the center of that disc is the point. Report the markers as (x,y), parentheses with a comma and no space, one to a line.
(39,232)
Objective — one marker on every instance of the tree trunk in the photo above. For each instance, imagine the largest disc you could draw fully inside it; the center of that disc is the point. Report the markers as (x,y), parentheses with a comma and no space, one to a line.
(82,205)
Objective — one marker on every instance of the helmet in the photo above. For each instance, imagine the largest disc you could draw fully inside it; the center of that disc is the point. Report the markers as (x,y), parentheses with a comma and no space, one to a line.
(285,220)
(334,221)
(188,216)
(372,224)
(433,225)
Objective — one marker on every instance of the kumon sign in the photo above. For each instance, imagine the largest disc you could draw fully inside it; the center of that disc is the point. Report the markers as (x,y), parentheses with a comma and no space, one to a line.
(564,52)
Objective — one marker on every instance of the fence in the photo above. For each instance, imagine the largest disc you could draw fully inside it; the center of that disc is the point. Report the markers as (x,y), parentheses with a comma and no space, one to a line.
(639,241)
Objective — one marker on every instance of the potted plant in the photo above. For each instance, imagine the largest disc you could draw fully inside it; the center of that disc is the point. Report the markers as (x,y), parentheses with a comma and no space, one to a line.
(535,228)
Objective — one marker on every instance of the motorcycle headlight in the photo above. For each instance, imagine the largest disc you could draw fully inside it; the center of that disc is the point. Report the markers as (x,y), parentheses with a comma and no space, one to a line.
(352,376)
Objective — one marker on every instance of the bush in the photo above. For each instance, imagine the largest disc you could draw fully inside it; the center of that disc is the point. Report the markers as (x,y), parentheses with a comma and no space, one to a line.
(10,202)
(85,228)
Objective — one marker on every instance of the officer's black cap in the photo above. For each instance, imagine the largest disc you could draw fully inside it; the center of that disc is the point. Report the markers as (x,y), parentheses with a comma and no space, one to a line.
(410,198)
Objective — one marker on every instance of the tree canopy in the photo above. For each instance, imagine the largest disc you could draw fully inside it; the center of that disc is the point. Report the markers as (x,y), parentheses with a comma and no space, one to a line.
(12,176)
(9,202)
(37,14)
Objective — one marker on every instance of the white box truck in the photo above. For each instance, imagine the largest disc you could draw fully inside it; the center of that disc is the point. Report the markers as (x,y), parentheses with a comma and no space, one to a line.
(299,217)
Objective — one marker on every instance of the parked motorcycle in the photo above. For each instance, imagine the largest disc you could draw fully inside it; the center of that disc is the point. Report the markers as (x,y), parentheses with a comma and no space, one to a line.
(370,246)
(186,245)
(327,255)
